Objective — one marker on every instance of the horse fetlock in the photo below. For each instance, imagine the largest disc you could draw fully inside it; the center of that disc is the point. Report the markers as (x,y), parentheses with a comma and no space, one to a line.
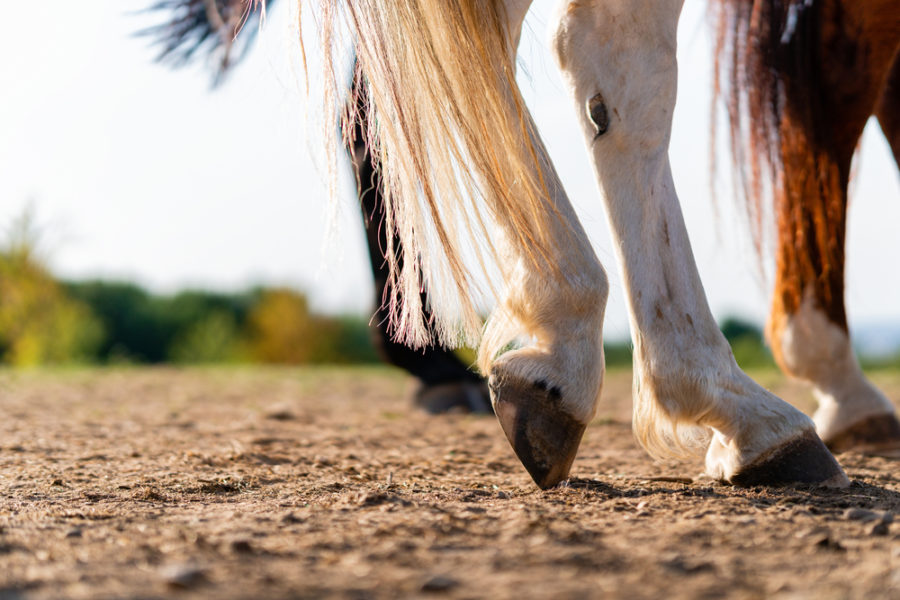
(852,412)
(842,407)
(753,437)
(760,439)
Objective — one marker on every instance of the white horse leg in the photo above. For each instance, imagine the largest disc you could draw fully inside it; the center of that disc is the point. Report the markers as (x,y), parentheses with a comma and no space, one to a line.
(852,413)
(618,57)
(546,392)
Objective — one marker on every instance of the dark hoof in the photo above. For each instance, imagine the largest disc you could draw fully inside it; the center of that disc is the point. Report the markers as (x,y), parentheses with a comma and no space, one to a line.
(804,459)
(461,396)
(544,437)
(876,435)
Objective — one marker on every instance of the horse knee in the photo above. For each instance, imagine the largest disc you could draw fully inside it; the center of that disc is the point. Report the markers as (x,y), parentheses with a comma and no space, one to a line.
(618,59)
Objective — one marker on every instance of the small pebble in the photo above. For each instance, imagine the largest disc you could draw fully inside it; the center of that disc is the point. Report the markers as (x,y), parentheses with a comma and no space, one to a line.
(242,547)
(280,414)
(879,528)
(183,576)
(826,542)
(860,514)
(439,583)
(75,532)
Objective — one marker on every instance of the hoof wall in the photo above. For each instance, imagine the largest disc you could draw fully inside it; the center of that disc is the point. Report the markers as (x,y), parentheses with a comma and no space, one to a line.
(804,459)
(876,435)
(543,436)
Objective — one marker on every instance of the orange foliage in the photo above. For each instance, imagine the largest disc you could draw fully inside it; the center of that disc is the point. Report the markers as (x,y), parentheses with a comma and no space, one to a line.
(282,330)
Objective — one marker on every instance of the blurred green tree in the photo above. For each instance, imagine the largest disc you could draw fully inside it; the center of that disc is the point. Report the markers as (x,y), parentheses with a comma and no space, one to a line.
(142,327)
(213,339)
(39,323)
(747,343)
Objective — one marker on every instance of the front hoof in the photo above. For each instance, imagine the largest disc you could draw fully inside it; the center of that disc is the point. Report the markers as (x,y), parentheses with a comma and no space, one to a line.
(878,435)
(542,434)
(804,459)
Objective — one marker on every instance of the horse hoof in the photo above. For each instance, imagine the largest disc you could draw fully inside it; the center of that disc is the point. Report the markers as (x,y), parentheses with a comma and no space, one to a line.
(543,436)
(878,435)
(458,396)
(804,459)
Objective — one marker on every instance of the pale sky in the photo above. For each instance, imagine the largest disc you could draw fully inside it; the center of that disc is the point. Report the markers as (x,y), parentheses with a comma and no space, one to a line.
(139,172)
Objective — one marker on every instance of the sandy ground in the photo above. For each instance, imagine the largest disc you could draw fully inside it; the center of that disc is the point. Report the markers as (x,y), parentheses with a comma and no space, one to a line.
(323,483)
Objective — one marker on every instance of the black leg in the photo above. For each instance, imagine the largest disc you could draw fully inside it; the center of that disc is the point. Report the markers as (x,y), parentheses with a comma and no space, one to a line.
(447,383)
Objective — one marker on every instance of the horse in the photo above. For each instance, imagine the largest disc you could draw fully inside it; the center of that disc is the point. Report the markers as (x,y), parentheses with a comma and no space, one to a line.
(464,170)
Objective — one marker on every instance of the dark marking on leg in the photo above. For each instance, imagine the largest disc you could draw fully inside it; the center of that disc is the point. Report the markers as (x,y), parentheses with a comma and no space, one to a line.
(598,114)
(553,392)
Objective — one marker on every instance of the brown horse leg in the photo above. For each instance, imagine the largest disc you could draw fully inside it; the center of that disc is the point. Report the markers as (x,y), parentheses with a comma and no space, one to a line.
(446,383)
(888,109)
(808,323)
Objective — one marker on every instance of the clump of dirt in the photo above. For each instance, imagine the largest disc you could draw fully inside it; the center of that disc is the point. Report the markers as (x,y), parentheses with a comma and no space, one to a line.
(324,483)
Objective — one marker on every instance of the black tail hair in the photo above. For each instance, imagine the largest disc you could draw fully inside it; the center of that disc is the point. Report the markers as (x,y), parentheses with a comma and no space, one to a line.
(198,28)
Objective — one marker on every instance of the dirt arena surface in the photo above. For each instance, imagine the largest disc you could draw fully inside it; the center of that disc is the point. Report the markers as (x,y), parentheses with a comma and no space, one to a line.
(324,484)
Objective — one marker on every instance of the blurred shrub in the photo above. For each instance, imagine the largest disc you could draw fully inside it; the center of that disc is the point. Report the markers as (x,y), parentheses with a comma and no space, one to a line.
(213,339)
(133,329)
(39,323)
(261,325)
(281,329)
(142,327)
(353,343)
(43,321)
(617,354)
(747,344)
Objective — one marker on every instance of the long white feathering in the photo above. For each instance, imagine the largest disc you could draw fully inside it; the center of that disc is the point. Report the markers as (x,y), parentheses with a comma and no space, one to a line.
(456,147)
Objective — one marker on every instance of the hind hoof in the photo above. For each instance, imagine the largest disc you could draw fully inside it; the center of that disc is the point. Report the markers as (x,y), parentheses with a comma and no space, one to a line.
(804,459)
(461,396)
(877,435)
(543,436)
